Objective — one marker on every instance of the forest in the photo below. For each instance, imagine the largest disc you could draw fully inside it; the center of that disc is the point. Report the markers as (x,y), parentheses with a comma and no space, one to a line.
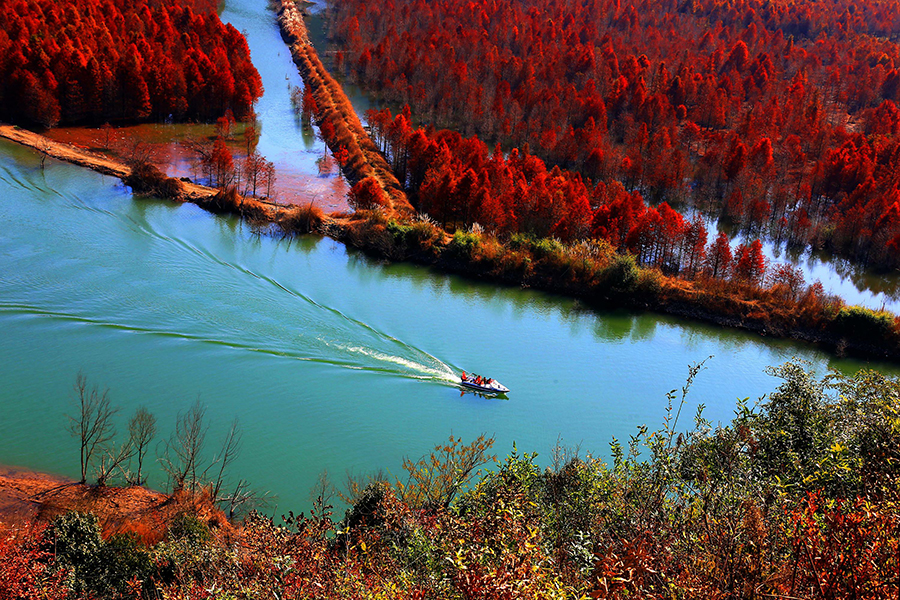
(796,498)
(779,119)
(89,62)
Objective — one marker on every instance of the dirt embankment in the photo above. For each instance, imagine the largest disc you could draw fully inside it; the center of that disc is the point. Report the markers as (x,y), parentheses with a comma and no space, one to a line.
(91,160)
(334,105)
(27,496)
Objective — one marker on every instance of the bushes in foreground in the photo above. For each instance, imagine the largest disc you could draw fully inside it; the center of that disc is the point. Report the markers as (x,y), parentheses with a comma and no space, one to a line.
(797,498)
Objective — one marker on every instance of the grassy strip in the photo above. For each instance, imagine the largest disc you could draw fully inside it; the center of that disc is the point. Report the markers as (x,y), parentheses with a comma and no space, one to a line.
(334,106)
(593,271)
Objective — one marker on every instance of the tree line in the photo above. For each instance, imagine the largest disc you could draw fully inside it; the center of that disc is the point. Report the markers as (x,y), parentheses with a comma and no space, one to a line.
(96,61)
(780,118)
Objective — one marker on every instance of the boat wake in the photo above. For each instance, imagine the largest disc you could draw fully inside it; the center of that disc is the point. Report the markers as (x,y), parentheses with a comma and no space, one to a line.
(424,366)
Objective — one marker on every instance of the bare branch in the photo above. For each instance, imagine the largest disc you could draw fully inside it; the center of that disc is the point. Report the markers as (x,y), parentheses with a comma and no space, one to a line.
(93,426)
(181,457)
(141,430)
(231,447)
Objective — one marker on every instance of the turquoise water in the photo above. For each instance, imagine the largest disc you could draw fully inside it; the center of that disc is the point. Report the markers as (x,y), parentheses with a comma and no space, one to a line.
(330,360)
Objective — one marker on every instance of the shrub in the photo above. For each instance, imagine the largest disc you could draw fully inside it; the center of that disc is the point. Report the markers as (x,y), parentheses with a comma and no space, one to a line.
(464,246)
(621,276)
(145,178)
(861,323)
(514,264)
(302,219)
(188,527)
(98,568)
(26,567)
(649,283)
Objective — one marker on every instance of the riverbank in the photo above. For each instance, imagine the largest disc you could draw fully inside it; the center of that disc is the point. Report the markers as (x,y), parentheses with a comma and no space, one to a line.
(332,106)
(594,272)
(91,160)
(768,503)
(589,271)
(28,496)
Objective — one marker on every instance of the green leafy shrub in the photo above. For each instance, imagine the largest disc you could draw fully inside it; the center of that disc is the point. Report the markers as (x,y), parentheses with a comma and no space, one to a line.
(464,246)
(98,568)
(621,276)
(188,527)
(862,323)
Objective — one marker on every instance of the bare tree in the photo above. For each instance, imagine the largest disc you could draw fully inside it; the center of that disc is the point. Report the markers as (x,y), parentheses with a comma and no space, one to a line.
(231,447)
(243,499)
(181,458)
(183,455)
(255,168)
(106,130)
(270,178)
(93,425)
(202,156)
(114,459)
(141,430)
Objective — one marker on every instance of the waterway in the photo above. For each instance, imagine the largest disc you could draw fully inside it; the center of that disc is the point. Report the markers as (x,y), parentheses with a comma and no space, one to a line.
(329,360)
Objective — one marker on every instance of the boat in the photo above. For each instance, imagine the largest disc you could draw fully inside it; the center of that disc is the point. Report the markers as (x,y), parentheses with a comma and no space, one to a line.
(486,385)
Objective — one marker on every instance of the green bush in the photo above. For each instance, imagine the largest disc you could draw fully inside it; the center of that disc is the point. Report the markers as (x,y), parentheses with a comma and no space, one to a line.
(862,323)
(464,246)
(97,568)
(188,527)
(420,236)
(649,282)
(621,276)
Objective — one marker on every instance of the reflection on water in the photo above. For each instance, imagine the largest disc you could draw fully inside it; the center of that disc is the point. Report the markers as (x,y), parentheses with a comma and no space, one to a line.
(331,360)
(855,284)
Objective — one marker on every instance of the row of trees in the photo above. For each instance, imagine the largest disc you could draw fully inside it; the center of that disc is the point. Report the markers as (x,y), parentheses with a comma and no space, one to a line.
(457,181)
(92,61)
(783,120)
(182,457)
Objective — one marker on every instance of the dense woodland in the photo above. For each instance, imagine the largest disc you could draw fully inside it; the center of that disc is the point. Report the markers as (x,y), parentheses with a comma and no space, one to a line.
(98,61)
(797,498)
(778,117)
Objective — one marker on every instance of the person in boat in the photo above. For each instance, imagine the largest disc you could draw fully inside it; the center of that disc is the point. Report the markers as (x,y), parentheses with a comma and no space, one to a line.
(464,376)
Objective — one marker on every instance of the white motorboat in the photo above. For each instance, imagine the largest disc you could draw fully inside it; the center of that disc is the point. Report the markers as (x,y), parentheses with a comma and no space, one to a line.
(483,384)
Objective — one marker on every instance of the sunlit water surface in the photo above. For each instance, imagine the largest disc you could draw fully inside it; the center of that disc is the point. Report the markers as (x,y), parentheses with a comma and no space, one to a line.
(330,360)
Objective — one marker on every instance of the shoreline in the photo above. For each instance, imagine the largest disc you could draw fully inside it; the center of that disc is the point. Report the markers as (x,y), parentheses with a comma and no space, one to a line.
(29,496)
(368,233)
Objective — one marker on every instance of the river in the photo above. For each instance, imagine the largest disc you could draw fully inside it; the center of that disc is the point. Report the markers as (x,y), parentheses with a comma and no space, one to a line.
(330,361)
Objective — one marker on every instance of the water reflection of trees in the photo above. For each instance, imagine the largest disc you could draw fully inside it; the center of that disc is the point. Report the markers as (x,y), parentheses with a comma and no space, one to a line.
(865,281)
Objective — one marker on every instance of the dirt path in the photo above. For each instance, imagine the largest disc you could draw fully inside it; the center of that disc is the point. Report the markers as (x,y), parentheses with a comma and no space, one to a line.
(91,160)
(333,103)
(190,192)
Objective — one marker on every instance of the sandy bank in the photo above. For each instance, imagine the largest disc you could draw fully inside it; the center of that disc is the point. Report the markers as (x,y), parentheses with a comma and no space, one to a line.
(27,496)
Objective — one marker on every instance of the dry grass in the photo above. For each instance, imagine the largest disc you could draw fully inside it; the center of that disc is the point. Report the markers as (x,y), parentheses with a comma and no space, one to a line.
(302,219)
(26,495)
(146,178)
